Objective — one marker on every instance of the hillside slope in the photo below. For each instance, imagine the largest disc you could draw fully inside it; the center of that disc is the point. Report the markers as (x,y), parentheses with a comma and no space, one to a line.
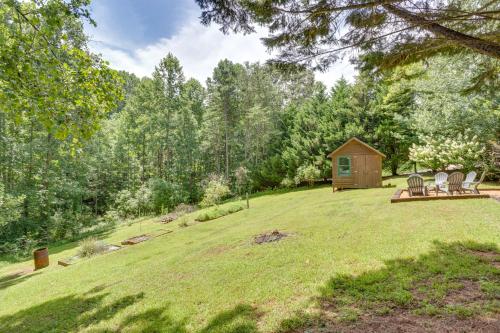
(212,277)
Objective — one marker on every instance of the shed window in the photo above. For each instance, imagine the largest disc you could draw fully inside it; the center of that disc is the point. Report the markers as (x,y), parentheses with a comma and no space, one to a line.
(344,166)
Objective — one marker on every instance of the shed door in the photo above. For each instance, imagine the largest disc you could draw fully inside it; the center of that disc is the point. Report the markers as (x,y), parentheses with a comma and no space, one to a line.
(365,170)
(358,170)
(372,171)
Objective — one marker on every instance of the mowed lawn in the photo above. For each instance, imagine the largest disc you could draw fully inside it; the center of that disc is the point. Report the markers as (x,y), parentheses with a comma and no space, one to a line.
(212,277)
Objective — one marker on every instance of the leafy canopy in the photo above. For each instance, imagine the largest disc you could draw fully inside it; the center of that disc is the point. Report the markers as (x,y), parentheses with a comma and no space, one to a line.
(384,33)
(46,73)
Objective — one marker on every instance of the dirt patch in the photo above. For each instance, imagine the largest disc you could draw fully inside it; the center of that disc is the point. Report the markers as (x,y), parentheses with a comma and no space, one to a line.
(216,250)
(273,236)
(491,257)
(469,293)
(405,322)
(179,211)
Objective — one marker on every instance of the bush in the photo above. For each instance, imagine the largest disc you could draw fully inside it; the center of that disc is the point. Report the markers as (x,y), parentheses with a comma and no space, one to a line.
(10,207)
(90,247)
(241,176)
(287,183)
(440,152)
(216,212)
(307,173)
(111,217)
(216,190)
(183,222)
(164,195)
(125,203)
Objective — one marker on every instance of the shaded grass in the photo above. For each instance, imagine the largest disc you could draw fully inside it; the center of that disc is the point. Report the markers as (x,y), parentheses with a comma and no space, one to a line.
(452,280)
(419,284)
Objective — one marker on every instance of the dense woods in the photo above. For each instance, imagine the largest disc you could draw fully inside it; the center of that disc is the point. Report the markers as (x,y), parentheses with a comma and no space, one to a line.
(100,146)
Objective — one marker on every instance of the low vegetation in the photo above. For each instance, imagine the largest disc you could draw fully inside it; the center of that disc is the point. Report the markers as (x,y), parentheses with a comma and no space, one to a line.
(90,247)
(219,211)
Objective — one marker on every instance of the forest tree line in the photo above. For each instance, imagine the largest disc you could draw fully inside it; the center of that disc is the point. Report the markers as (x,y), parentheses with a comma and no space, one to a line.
(84,146)
(170,136)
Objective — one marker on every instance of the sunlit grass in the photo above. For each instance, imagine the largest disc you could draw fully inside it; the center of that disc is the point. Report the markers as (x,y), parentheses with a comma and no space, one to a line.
(211,277)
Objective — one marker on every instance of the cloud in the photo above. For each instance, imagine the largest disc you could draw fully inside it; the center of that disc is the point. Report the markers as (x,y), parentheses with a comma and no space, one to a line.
(199,49)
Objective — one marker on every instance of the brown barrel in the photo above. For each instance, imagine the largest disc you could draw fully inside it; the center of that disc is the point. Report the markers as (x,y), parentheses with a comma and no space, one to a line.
(41,257)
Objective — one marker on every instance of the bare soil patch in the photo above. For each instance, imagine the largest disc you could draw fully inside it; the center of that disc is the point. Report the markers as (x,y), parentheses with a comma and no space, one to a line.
(179,211)
(273,236)
(216,250)
(405,322)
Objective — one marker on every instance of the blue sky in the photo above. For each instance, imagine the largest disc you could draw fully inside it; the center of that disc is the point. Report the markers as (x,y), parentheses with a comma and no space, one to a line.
(134,35)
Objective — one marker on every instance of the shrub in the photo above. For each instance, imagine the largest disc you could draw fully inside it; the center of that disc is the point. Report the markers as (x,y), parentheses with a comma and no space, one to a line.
(287,183)
(183,222)
(439,152)
(216,212)
(125,203)
(216,190)
(308,173)
(164,195)
(143,198)
(90,247)
(111,217)
(10,207)
(241,176)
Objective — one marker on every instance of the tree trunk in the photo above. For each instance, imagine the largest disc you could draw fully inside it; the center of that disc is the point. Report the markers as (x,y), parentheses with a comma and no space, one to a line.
(226,139)
(46,182)
(477,44)
(394,168)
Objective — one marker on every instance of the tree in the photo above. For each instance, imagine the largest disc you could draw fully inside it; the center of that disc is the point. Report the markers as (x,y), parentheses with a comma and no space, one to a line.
(46,72)
(386,33)
(224,108)
(393,130)
(168,81)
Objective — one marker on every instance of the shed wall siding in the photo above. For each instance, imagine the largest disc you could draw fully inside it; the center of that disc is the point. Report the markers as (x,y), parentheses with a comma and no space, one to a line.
(370,177)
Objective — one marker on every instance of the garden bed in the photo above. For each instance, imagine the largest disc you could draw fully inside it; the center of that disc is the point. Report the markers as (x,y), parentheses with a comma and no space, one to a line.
(74,259)
(136,239)
(402,195)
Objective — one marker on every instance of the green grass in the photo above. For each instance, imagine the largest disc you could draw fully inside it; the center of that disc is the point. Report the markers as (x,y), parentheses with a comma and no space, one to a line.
(353,248)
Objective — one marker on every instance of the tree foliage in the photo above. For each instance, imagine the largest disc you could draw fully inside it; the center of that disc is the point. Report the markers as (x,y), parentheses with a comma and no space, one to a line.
(383,33)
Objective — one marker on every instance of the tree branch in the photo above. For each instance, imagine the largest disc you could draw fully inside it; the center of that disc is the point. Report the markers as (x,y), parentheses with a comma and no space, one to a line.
(488,48)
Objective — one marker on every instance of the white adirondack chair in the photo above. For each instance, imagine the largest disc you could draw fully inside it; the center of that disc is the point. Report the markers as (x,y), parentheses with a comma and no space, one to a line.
(440,178)
(469,178)
(472,186)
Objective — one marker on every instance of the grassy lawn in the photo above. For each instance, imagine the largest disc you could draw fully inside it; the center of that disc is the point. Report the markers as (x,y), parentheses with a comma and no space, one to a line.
(348,254)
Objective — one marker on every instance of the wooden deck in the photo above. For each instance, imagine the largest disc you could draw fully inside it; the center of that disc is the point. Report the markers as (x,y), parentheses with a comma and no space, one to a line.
(402,196)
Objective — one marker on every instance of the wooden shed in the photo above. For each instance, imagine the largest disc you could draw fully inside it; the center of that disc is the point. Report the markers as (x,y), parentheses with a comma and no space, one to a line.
(355,164)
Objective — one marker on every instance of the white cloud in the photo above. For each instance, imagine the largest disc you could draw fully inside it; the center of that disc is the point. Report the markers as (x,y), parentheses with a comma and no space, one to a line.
(199,49)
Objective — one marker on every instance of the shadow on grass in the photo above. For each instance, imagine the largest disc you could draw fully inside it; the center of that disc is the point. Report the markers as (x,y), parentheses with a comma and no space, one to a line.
(15,278)
(81,312)
(455,287)
(240,319)
(64,314)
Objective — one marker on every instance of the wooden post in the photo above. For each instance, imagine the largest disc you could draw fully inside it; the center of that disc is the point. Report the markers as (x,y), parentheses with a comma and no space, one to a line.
(248,202)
